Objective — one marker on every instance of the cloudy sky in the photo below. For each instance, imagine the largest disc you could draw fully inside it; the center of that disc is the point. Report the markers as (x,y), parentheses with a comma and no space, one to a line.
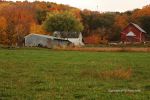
(102,5)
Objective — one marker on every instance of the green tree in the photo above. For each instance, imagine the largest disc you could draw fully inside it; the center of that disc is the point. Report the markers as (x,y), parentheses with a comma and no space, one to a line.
(62,22)
(145,23)
(94,20)
(40,15)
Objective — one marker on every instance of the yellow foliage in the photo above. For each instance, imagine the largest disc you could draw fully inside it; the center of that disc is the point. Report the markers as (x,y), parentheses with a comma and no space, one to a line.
(38,29)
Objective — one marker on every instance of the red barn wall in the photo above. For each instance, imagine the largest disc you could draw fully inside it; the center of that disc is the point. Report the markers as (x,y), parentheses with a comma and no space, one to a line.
(136,31)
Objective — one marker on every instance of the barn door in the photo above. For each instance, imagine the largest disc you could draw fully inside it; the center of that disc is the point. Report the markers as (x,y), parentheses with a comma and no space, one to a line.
(130,39)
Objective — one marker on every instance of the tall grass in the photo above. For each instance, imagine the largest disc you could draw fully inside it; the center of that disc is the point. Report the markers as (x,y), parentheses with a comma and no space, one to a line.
(120,73)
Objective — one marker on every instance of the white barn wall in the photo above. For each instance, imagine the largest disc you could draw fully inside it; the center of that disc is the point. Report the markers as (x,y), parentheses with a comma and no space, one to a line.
(35,40)
(77,41)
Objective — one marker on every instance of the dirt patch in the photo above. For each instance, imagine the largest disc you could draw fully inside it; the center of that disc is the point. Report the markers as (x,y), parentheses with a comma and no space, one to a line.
(107,49)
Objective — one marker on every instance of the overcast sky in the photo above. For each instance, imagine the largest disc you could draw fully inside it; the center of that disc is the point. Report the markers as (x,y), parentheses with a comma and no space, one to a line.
(102,5)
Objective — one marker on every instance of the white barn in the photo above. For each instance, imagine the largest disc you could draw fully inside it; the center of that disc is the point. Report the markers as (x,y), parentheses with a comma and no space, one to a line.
(77,41)
(75,38)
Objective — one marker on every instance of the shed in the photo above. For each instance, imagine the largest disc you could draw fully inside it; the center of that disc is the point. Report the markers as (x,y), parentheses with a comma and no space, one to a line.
(38,40)
(133,33)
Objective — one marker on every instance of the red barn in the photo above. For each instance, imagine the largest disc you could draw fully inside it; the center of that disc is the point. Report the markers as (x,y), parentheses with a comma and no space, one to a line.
(133,33)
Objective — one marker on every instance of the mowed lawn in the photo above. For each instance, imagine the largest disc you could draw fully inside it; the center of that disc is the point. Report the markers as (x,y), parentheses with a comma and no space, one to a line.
(43,74)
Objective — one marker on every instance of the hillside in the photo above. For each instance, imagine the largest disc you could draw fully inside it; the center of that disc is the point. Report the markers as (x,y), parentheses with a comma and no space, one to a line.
(28,17)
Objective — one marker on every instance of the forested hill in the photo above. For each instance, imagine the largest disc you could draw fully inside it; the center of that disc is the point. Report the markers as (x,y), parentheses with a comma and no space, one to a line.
(18,19)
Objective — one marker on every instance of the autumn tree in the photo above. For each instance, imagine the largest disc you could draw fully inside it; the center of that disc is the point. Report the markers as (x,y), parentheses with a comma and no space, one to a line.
(3,26)
(121,21)
(18,23)
(92,39)
(38,29)
(41,9)
(41,15)
(145,11)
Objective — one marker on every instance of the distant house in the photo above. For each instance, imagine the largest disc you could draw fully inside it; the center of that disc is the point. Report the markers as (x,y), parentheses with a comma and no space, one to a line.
(74,37)
(133,33)
(38,40)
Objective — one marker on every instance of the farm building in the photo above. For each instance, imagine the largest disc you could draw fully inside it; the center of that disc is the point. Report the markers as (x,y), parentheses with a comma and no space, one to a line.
(77,41)
(133,33)
(74,37)
(34,40)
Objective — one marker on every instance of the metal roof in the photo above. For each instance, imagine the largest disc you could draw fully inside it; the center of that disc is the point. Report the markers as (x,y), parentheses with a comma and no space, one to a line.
(138,27)
(45,36)
(33,34)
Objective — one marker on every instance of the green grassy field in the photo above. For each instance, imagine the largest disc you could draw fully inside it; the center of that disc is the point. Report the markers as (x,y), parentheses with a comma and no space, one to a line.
(42,74)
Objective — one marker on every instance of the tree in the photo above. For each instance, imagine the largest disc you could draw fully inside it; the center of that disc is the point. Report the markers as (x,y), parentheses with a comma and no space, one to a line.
(121,21)
(3,26)
(92,39)
(3,23)
(95,21)
(18,23)
(63,21)
(38,29)
(145,23)
(41,15)
(145,11)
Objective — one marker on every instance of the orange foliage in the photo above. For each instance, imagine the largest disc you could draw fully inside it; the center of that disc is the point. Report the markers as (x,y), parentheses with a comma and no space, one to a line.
(145,11)
(121,21)
(3,26)
(3,23)
(17,24)
(93,39)
(41,5)
(38,29)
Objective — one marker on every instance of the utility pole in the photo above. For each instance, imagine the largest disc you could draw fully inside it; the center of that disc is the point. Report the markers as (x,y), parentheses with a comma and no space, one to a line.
(97,6)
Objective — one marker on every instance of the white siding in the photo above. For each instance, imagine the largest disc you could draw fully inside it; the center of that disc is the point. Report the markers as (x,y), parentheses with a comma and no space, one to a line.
(77,41)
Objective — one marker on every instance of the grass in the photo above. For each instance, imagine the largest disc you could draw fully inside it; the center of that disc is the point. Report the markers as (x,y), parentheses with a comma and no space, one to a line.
(43,74)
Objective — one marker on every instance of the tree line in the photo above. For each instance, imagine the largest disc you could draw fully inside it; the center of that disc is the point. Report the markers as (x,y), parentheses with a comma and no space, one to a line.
(18,19)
